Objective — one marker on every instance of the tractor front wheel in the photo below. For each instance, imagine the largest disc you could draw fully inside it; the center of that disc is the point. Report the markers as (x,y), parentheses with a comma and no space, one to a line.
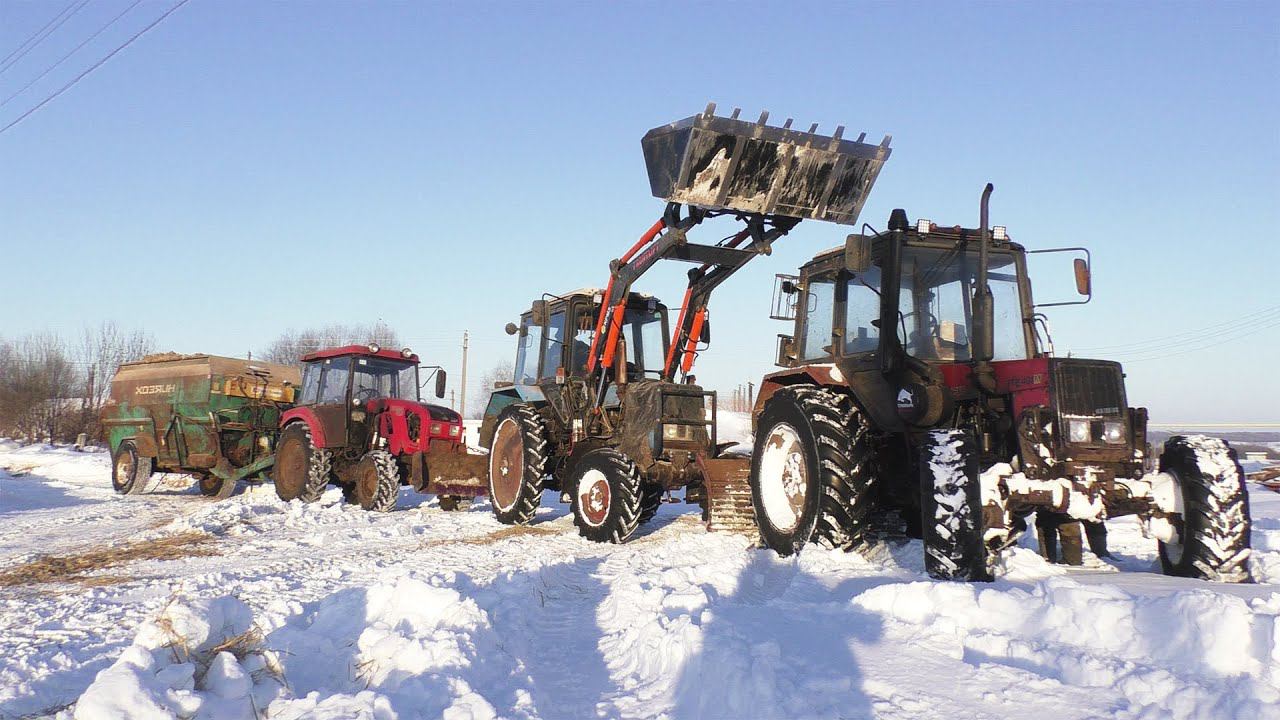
(951,508)
(302,469)
(130,471)
(376,481)
(1213,542)
(607,496)
(517,464)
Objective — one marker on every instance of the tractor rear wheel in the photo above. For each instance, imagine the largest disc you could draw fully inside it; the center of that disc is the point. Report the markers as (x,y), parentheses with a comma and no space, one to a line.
(811,470)
(302,469)
(1214,540)
(607,496)
(951,508)
(517,464)
(130,471)
(376,481)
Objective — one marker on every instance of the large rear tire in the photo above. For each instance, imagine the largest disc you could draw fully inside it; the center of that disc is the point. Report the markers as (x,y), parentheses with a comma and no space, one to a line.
(517,464)
(951,508)
(811,470)
(302,470)
(130,472)
(1214,541)
(607,495)
(376,481)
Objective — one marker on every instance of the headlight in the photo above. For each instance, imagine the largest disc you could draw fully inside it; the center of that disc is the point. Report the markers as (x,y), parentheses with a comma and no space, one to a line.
(454,430)
(1078,431)
(1113,432)
(677,432)
(435,428)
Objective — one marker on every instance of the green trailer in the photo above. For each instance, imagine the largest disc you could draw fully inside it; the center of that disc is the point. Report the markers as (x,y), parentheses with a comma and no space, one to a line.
(214,417)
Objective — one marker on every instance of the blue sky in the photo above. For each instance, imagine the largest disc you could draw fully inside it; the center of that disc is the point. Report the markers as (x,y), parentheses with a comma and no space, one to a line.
(248,167)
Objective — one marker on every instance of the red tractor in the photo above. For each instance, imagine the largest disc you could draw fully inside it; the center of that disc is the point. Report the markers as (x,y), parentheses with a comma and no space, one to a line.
(921,392)
(359,422)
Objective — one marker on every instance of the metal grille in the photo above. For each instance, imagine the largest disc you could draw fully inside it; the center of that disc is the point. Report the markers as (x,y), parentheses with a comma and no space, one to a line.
(1089,388)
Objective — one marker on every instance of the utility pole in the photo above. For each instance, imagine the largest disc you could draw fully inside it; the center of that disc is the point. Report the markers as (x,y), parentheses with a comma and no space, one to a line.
(751,395)
(453,399)
(462,409)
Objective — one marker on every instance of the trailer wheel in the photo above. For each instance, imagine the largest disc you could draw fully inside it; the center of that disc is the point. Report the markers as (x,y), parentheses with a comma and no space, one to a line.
(811,470)
(951,508)
(1214,540)
(376,481)
(517,464)
(130,471)
(302,470)
(213,486)
(453,503)
(607,496)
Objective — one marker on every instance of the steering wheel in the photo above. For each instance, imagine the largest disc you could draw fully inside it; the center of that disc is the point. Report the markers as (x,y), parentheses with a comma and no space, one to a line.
(366,394)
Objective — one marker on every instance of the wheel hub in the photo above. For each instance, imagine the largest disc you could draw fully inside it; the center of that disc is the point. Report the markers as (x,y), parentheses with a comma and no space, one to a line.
(594,497)
(784,477)
(506,465)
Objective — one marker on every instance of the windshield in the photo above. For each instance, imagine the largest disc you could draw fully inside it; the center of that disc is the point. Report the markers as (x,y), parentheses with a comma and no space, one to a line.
(376,378)
(646,342)
(937,291)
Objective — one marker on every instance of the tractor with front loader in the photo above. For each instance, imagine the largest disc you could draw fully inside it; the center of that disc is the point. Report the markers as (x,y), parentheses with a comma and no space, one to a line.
(358,421)
(604,406)
(921,395)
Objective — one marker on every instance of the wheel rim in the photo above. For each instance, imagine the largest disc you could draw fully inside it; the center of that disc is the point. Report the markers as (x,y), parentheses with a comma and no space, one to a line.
(1173,550)
(124,469)
(506,465)
(291,469)
(593,497)
(366,477)
(784,477)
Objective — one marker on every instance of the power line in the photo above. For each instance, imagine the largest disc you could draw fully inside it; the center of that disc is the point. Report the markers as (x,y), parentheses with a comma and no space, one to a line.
(33,35)
(76,49)
(15,56)
(93,67)
(1244,321)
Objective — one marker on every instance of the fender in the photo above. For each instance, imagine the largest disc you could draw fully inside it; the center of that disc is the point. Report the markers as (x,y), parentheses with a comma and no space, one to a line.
(308,416)
(870,390)
(499,400)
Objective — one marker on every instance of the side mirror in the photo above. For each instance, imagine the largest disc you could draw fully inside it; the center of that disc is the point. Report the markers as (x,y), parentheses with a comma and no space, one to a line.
(511,329)
(539,312)
(857,253)
(441,379)
(704,336)
(1084,282)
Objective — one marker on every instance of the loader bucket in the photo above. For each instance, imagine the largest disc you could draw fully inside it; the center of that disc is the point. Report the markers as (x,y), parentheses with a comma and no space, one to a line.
(723,163)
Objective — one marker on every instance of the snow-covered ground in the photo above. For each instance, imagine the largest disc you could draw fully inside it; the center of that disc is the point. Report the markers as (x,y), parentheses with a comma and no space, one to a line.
(327,611)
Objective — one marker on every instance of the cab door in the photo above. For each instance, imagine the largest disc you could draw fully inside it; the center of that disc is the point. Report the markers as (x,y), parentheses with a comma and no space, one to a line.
(332,408)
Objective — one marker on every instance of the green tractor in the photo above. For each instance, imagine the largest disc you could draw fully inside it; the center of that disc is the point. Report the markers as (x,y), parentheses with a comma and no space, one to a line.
(604,406)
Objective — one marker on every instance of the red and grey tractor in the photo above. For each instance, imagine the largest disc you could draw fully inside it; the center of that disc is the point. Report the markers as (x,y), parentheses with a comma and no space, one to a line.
(359,422)
(919,352)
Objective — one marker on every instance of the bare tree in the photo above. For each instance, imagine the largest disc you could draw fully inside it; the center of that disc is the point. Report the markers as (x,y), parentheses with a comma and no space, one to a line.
(293,344)
(503,372)
(102,351)
(37,383)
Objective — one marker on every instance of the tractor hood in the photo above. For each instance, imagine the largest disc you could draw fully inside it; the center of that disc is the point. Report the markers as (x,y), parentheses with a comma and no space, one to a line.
(729,164)
(436,412)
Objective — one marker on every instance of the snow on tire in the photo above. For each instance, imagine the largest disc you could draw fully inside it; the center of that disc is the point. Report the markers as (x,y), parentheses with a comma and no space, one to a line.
(1214,539)
(302,469)
(517,464)
(811,470)
(607,495)
(951,508)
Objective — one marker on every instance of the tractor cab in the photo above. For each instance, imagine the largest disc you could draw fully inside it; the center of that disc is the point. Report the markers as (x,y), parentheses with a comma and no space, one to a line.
(343,387)
(555,338)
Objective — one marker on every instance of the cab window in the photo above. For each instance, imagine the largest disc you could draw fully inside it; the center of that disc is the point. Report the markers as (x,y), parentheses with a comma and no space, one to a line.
(553,352)
(310,384)
(820,303)
(333,383)
(530,343)
(862,309)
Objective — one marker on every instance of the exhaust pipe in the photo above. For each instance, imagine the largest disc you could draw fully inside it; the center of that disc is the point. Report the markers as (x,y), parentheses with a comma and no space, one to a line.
(983,305)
